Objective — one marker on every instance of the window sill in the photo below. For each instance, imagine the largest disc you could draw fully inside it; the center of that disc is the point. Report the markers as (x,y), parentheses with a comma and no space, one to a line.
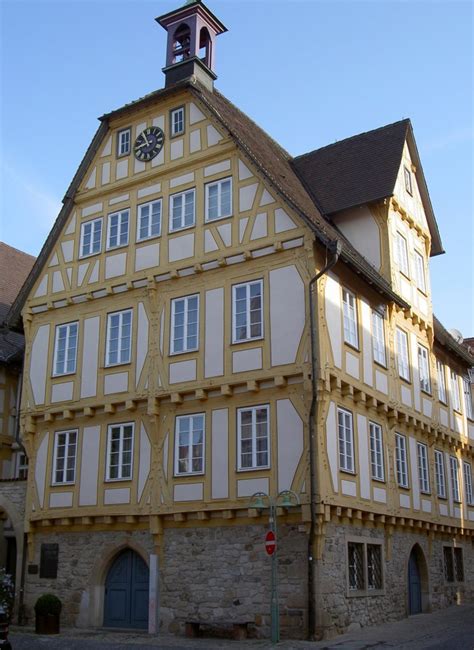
(351,472)
(380,364)
(64,374)
(118,480)
(208,222)
(177,135)
(181,352)
(426,392)
(403,487)
(150,238)
(117,365)
(55,485)
(253,469)
(123,155)
(257,338)
(407,381)
(178,230)
(114,248)
(353,346)
(83,257)
(189,474)
(379,480)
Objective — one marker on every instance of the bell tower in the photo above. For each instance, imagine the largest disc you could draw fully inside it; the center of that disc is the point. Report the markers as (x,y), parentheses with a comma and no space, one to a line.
(192,31)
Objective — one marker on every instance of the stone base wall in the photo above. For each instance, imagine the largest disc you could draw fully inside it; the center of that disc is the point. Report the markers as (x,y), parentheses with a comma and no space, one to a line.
(12,505)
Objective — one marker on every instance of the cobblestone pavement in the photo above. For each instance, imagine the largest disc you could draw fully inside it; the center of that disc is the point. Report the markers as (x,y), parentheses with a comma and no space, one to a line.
(450,629)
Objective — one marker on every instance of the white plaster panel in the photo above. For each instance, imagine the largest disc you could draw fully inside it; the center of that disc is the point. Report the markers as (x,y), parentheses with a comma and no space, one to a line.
(105,173)
(427,407)
(188,492)
(195,141)
(415,485)
(107,150)
(68,250)
(381,382)
(209,242)
(145,460)
(138,166)
(177,149)
(333,317)
(121,169)
(247,487)
(91,180)
(195,115)
(217,168)
(244,171)
(182,180)
(58,284)
(214,333)
(366,322)
(115,496)
(364,474)
(266,199)
(115,265)
(469,426)
(362,230)
(405,501)
(90,357)
(213,136)
(283,222)
(142,340)
(159,121)
(331,444)
(148,190)
(116,383)
(183,371)
(457,513)
(443,509)
(159,159)
(471,515)
(352,365)
(71,229)
(380,495)
(147,256)
(406,395)
(290,442)
(458,423)
(225,231)
(220,454)
(405,287)
(62,392)
(69,275)
(181,247)
(89,466)
(92,209)
(259,229)
(60,499)
(39,363)
(242,226)
(40,467)
(247,360)
(42,287)
(54,260)
(247,197)
(349,488)
(426,505)
(119,199)
(286,297)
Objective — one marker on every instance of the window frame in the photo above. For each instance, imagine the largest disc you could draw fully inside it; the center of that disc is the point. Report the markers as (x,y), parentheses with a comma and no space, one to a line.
(402,254)
(174,301)
(84,224)
(420,276)
(408,180)
(21,468)
(121,426)
(423,468)
(173,111)
(454,479)
(119,154)
(149,204)
(366,589)
(253,409)
(442,392)
(67,433)
(349,468)
(378,440)
(56,341)
(401,459)
(378,342)
(109,364)
(207,187)
(183,226)
(350,316)
(450,551)
(440,474)
(248,310)
(402,335)
(424,369)
(468,488)
(177,446)
(455,401)
(466,389)
(118,214)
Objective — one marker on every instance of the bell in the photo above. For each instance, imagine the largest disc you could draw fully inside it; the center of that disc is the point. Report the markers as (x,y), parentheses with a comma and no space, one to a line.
(286,501)
(258,503)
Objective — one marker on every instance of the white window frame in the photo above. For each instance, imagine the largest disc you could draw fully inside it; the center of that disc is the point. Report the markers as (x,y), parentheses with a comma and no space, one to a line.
(183,225)
(403,356)
(150,205)
(455,400)
(420,271)
(248,311)
(120,361)
(121,231)
(91,251)
(378,338)
(349,308)
(467,472)
(121,426)
(68,444)
(440,474)
(424,369)
(442,394)
(191,417)
(254,410)
(180,111)
(221,214)
(401,460)
(120,137)
(454,476)
(376,452)
(64,371)
(466,389)
(408,181)
(402,254)
(345,439)
(21,466)
(423,467)
(174,302)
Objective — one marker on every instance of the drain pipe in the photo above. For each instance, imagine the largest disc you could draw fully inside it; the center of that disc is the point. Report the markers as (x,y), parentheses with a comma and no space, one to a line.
(335,249)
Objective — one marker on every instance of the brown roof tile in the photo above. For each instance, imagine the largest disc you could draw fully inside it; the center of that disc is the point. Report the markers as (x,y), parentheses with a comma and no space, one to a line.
(14,269)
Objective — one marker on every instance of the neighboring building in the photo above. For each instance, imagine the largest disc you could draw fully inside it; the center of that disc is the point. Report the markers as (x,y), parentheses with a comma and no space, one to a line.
(169,374)
(14,269)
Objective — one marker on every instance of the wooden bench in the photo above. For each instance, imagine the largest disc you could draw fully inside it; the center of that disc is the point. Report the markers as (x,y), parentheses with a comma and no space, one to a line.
(239,628)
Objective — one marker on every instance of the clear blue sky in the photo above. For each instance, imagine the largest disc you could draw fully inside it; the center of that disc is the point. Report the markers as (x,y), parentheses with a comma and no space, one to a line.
(308,72)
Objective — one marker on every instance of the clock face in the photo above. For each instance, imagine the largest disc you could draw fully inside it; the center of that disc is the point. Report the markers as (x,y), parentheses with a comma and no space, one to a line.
(149,143)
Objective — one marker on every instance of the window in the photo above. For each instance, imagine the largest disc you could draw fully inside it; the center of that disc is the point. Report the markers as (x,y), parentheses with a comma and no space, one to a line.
(440,475)
(118,229)
(466,387)
(402,254)
(458,565)
(365,568)
(119,451)
(91,237)
(401,460)
(346,440)
(177,121)
(456,404)
(378,338)
(253,438)
(64,463)
(420,272)
(184,324)
(402,355)
(356,566)
(408,184)
(350,318)
(21,466)
(453,564)
(454,472)
(123,142)
(374,566)
(189,444)
(119,337)
(219,199)
(441,383)
(149,220)
(376,451)
(468,483)
(65,349)
(247,311)
(423,472)
(423,369)
(182,210)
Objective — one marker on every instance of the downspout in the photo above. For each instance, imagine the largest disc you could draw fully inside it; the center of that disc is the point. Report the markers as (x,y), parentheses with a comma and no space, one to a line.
(21,594)
(335,249)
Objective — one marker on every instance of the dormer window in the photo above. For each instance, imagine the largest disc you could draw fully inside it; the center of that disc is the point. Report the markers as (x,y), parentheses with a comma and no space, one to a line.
(177,121)
(181,43)
(123,142)
(408,183)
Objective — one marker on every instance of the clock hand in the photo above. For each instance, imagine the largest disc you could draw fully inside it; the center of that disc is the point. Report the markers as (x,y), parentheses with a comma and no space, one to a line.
(144,137)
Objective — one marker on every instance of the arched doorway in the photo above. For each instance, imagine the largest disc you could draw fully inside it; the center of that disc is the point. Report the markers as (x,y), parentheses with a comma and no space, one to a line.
(126,592)
(418,593)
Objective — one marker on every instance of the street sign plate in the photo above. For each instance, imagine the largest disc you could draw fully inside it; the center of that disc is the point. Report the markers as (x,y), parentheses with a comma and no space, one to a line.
(270,542)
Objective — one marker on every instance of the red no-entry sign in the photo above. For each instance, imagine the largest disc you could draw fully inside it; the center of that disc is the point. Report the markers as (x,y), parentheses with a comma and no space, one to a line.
(270,542)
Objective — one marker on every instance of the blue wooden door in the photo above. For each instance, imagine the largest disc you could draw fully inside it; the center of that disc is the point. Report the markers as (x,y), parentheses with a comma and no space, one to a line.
(414,585)
(126,592)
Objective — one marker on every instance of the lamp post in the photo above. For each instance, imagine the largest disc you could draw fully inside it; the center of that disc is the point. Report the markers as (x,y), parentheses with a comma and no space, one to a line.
(260,501)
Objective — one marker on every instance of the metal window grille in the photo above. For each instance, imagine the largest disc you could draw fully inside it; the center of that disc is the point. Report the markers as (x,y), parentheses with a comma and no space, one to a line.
(356,566)
(374,566)
(458,565)
(448,564)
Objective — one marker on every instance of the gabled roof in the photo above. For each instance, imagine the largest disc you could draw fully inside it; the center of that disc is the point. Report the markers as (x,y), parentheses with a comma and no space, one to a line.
(362,169)
(443,337)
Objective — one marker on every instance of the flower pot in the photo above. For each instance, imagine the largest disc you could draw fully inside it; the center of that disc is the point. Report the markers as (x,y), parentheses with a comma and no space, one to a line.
(47,624)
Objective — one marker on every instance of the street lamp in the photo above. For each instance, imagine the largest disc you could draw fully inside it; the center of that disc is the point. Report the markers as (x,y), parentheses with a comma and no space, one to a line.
(260,501)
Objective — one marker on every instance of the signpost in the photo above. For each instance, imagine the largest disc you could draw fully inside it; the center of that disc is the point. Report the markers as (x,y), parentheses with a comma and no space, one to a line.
(270,542)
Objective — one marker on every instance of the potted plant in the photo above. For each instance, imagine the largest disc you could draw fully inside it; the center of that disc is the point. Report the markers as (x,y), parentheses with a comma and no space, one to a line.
(7,594)
(47,610)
